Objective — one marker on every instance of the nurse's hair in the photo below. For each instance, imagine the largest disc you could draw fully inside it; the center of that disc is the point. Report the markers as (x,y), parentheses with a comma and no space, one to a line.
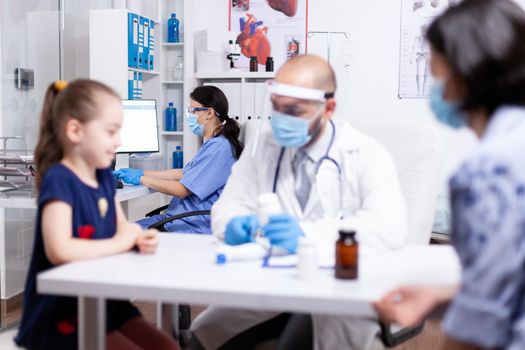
(212,97)
(483,43)
(78,100)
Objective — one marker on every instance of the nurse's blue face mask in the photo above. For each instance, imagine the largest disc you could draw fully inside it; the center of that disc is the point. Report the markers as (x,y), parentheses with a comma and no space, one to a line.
(446,112)
(192,120)
(292,131)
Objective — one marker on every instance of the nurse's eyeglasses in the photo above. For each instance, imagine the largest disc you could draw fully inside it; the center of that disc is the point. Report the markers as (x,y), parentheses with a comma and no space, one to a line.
(197,109)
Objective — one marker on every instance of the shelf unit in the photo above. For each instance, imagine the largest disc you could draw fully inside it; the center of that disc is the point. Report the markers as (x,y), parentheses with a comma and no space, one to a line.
(173,89)
(109,34)
(245,91)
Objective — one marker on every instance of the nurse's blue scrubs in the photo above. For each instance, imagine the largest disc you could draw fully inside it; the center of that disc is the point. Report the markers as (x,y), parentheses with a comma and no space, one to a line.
(205,177)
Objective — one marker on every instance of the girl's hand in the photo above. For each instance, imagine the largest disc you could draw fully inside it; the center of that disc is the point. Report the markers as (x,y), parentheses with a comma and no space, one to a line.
(148,241)
(127,235)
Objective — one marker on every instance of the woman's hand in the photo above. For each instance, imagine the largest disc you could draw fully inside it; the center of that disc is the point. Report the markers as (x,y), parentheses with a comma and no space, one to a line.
(148,241)
(407,306)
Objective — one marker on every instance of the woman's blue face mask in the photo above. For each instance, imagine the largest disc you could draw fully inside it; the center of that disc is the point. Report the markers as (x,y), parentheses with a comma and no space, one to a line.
(193,124)
(446,112)
(291,131)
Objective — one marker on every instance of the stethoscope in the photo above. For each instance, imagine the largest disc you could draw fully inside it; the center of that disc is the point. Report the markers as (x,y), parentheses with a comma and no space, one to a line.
(325,158)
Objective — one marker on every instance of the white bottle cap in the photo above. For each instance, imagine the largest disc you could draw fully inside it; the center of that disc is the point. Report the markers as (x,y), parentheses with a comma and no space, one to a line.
(267,204)
(267,199)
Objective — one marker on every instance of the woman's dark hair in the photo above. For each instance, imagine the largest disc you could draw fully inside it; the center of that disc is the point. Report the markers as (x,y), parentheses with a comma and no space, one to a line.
(78,100)
(483,42)
(213,97)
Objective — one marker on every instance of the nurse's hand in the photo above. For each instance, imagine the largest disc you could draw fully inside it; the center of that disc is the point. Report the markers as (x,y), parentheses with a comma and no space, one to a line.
(283,231)
(130,175)
(241,229)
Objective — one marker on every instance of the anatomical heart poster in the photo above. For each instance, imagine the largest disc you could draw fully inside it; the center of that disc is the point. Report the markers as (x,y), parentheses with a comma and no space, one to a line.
(269,28)
(414,64)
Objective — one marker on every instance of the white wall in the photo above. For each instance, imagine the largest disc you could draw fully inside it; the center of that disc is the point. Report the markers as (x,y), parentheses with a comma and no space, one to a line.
(76,36)
(369,86)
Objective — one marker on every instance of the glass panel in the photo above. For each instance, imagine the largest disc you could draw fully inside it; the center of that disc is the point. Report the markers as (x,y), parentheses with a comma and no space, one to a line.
(29,43)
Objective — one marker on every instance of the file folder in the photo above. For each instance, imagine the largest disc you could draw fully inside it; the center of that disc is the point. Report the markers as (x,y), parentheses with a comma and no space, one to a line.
(133,40)
(131,81)
(140,44)
(139,86)
(144,50)
(151,45)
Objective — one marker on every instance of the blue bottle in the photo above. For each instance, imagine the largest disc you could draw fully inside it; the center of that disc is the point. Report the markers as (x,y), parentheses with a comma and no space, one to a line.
(171,118)
(173,29)
(177,158)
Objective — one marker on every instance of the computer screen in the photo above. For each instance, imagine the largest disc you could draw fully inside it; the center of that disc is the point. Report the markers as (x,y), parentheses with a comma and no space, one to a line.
(139,132)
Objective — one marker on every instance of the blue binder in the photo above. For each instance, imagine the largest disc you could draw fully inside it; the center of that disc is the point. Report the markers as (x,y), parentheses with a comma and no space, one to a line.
(151,45)
(135,85)
(130,85)
(143,43)
(133,40)
(139,86)
(140,44)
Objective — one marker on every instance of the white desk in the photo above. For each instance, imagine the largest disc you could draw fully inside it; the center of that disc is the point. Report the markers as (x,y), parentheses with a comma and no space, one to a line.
(23,200)
(183,271)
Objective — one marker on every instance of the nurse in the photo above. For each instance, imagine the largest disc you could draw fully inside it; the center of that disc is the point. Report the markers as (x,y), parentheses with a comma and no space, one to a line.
(478,61)
(198,185)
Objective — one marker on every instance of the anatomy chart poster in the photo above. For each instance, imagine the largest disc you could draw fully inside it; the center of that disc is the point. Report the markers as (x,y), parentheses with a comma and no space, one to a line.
(415,78)
(265,28)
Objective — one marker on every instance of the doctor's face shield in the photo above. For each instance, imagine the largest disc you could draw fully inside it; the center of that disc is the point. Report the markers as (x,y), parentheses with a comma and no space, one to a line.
(296,113)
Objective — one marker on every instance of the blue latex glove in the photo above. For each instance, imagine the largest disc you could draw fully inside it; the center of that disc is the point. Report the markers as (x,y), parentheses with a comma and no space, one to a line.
(116,174)
(283,231)
(241,229)
(129,175)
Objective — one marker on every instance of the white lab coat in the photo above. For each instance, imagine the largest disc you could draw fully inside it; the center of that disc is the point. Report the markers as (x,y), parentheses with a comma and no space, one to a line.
(372,204)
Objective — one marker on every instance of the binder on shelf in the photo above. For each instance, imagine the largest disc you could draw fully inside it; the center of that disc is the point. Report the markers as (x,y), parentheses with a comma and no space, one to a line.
(133,40)
(140,44)
(250,112)
(151,59)
(143,43)
(135,85)
(131,81)
(139,84)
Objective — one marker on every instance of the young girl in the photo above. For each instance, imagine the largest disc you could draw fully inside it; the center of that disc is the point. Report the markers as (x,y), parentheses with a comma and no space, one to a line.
(79,217)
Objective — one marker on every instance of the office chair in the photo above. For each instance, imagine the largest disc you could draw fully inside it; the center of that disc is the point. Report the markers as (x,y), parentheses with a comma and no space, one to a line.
(183,310)
(159,225)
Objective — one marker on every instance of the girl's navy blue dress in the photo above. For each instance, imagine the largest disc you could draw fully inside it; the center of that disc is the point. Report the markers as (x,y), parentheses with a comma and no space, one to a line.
(48,321)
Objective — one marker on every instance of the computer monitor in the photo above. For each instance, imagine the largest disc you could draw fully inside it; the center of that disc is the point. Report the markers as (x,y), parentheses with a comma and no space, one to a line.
(139,132)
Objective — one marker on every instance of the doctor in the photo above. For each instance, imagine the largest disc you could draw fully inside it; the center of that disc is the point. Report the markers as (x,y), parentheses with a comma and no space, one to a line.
(325,174)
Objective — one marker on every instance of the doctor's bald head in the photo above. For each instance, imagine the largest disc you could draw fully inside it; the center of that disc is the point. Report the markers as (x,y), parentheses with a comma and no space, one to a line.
(308,71)
(304,87)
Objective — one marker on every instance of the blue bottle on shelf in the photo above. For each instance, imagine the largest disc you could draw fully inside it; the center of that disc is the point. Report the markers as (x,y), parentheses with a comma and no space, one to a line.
(177,158)
(173,29)
(171,118)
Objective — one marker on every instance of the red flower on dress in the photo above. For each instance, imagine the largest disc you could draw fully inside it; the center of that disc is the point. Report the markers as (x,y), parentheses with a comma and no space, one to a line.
(86,231)
(66,327)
